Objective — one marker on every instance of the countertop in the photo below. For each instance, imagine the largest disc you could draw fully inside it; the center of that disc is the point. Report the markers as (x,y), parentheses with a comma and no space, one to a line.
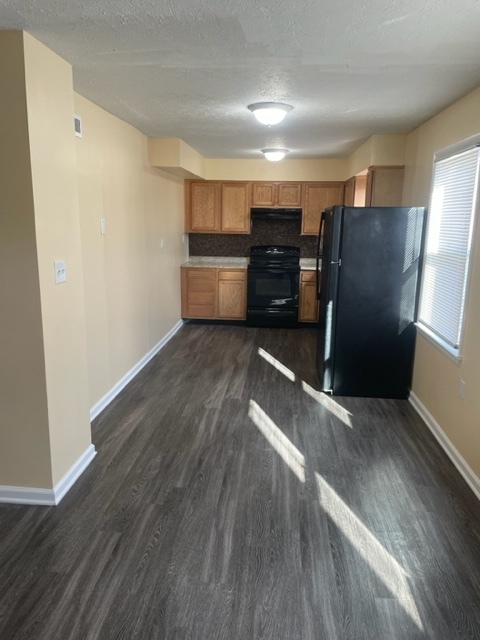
(308,264)
(207,261)
(236,263)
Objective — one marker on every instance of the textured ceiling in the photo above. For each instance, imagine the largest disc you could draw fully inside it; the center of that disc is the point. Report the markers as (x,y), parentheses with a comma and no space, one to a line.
(189,68)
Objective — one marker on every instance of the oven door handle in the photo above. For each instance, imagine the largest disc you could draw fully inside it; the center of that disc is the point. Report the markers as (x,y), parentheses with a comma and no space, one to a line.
(267,271)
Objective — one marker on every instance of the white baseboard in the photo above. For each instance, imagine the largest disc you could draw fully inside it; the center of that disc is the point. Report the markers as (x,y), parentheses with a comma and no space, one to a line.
(458,460)
(49,497)
(115,390)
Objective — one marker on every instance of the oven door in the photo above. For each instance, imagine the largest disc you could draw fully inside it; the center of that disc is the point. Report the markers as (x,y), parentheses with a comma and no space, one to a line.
(270,288)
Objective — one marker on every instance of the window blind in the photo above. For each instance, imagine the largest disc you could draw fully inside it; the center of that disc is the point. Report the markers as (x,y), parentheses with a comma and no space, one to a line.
(447,248)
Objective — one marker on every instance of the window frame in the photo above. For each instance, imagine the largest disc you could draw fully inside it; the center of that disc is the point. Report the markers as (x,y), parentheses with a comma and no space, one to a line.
(454,354)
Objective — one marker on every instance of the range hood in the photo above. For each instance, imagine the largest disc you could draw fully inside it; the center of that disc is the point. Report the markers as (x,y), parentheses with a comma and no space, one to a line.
(277,213)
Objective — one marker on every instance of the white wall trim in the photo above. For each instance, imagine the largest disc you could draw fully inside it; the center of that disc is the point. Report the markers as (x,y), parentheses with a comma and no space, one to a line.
(115,390)
(49,497)
(458,460)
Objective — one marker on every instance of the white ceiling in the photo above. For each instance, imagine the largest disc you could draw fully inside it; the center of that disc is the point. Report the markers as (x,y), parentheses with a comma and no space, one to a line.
(189,68)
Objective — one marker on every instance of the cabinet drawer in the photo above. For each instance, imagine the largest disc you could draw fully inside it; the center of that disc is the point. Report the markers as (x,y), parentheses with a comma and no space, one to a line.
(308,276)
(201,281)
(232,274)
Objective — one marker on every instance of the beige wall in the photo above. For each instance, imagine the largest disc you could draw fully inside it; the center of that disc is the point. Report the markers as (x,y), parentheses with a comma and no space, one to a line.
(44,415)
(261,169)
(53,157)
(132,285)
(377,150)
(24,436)
(436,378)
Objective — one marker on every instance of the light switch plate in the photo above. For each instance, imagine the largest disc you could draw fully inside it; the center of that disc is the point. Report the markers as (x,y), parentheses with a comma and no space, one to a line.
(60,271)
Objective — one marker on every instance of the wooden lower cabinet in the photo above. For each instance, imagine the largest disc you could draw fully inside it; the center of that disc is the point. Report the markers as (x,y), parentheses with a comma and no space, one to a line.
(232,294)
(211,293)
(308,307)
(199,292)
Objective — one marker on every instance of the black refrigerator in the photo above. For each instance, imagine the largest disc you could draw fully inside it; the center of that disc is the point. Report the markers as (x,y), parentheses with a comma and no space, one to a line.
(367,283)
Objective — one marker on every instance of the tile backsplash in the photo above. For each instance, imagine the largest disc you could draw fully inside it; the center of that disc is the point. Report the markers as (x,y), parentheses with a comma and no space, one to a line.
(263,232)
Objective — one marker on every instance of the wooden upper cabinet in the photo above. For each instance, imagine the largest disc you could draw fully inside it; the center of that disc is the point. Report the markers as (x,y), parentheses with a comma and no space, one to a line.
(355,191)
(384,186)
(272,194)
(202,207)
(317,197)
(289,194)
(349,198)
(235,207)
(263,194)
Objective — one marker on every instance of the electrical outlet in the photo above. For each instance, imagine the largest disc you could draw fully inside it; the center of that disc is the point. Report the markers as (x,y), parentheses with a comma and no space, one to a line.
(60,271)
(462,388)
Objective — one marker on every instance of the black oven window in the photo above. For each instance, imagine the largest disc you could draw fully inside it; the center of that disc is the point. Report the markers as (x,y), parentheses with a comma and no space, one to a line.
(273,287)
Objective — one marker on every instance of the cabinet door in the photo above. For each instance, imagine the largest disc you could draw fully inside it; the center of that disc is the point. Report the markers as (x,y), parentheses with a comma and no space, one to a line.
(232,294)
(199,288)
(203,207)
(289,194)
(385,186)
(318,196)
(235,207)
(308,307)
(263,194)
(349,198)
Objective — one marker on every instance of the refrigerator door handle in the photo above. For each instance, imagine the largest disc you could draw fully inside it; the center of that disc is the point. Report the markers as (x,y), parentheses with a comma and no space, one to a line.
(339,262)
(319,256)
(317,271)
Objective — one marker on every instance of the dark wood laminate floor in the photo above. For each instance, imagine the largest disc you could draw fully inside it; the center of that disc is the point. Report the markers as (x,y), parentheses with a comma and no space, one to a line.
(229,500)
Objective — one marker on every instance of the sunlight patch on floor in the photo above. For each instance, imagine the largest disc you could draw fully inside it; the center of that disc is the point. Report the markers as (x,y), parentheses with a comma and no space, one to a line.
(364,542)
(386,568)
(279,441)
(330,404)
(277,364)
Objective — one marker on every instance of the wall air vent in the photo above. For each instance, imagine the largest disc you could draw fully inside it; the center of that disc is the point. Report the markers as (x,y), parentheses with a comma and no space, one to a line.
(78,125)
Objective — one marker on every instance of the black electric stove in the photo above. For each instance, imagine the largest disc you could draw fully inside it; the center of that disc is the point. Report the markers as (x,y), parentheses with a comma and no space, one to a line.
(273,286)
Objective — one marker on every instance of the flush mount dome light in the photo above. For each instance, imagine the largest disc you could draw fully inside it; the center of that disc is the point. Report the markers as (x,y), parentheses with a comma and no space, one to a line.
(270,112)
(274,155)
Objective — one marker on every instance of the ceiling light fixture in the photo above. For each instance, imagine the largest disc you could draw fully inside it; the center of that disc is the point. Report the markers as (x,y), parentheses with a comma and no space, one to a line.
(274,155)
(270,112)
